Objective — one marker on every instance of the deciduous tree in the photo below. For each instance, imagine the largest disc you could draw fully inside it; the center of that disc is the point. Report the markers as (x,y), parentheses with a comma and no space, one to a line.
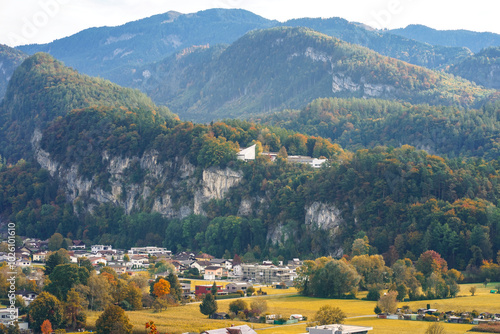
(161,288)
(113,320)
(328,314)
(45,307)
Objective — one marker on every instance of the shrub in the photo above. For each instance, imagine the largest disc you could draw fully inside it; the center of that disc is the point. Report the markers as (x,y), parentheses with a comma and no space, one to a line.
(430,317)
(237,306)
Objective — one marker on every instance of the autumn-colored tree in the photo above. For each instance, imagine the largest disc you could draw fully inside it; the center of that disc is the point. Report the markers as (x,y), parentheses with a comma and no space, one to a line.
(45,307)
(328,314)
(151,328)
(73,308)
(388,302)
(161,288)
(113,320)
(431,261)
(46,327)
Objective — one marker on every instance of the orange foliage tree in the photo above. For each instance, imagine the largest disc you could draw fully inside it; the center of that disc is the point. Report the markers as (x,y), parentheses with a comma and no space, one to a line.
(46,327)
(161,288)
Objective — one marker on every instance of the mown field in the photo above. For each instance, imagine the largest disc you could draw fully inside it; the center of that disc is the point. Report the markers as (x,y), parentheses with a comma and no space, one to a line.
(285,302)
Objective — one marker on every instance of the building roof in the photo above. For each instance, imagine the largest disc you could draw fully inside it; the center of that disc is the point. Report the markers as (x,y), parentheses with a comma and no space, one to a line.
(243,329)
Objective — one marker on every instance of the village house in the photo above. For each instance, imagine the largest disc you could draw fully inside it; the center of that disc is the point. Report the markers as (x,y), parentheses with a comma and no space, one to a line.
(204,257)
(214,272)
(100,248)
(139,261)
(233,287)
(222,263)
(77,244)
(40,257)
(96,261)
(27,296)
(149,250)
(204,289)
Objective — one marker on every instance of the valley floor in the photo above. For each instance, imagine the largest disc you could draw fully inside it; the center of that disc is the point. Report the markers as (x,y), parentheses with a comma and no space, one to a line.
(285,302)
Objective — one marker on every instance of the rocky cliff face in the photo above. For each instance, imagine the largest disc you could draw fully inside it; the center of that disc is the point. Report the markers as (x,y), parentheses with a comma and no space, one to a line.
(325,218)
(170,188)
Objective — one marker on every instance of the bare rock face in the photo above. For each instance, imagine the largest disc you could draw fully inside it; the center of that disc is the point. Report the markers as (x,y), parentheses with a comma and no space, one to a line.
(215,184)
(325,218)
(173,177)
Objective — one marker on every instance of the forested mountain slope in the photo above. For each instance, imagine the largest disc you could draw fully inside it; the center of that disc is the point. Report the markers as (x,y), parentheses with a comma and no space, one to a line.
(10,59)
(482,68)
(42,89)
(279,68)
(115,170)
(359,123)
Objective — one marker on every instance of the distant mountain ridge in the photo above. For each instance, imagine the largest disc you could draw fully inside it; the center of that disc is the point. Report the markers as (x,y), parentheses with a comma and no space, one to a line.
(475,41)
(95,51)
(279,68)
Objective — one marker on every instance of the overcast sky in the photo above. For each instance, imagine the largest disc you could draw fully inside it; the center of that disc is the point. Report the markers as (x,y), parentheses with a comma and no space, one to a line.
(41,21)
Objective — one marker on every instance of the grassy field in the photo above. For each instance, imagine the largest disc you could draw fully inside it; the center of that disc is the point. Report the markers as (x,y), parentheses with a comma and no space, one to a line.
(285,302)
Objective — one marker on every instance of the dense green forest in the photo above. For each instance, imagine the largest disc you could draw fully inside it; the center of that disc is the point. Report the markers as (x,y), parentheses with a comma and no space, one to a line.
(42,89)
(359,123)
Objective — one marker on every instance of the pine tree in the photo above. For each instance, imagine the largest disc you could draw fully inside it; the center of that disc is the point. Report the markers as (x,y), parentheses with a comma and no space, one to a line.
(209,305)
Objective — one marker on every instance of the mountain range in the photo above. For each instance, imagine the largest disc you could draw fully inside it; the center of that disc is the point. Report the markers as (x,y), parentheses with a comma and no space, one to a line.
(98,50)
(281,68)
(474,41)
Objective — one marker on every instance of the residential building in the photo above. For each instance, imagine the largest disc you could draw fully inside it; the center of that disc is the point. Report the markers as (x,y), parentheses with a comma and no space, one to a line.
(233,287)
(27,296)
(149,250)
(40,257)
(267,273)
(338,329)
(247,154)
(214,272)
(99,248)
(222,263)
(77,244)
(204,257)
(204,289)
(243,329)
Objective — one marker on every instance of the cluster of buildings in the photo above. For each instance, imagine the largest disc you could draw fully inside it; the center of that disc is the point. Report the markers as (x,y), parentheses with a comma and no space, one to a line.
(248,154)
(449,316)
(140,258)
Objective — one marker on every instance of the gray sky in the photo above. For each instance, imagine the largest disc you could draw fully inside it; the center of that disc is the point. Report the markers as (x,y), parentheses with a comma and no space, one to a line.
(41,21)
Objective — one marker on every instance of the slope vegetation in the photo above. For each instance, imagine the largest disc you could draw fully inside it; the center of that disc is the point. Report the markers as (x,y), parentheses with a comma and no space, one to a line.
(42,89)
(279,68)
